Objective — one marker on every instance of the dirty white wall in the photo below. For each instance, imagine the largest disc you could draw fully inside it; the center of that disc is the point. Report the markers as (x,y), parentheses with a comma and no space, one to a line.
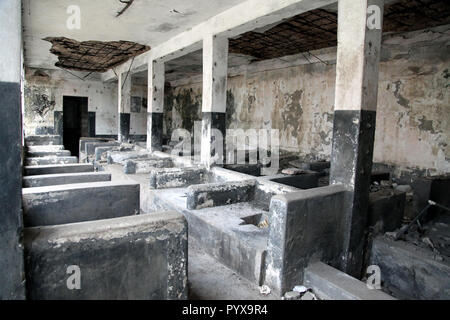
(138,115)
(413,118)
(44,91)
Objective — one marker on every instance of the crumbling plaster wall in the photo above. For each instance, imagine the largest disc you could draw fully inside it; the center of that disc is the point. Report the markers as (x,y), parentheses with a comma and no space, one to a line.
(413,116)
(44,91)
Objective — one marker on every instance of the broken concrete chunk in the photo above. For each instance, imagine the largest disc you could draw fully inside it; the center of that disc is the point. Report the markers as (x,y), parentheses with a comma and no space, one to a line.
(292,295)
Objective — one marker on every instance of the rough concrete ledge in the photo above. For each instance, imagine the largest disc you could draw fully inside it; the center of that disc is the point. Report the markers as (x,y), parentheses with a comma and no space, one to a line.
(176,177)
(38,161)
(58,168)
(121,156)
(43,140)
(146,165)
(333,284)
(410,272)
(64,178)
(138,257)
(217,194)
(79,202)
(45,148)
(49,153)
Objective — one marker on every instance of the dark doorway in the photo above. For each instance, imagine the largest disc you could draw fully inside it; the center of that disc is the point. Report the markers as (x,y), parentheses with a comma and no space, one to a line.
(75,122)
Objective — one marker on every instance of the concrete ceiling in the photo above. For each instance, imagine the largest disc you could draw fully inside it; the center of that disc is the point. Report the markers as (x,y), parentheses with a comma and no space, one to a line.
(148,22)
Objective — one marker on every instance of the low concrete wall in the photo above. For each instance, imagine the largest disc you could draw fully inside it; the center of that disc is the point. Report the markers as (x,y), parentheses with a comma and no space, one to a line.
(218,194)
(146,165)
(39,161)
(64,178)
(330,283)
(121,156)
(410,272)
(79,202)
(176,177)
(138,257)
(43,140)
(45,148)
(58,153)
(58,168)
(303,225)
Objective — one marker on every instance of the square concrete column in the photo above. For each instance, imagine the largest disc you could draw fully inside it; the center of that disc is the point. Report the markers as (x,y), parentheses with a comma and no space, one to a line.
(11,252)
(358,55)
(124,103)
(215,68)
(155,105)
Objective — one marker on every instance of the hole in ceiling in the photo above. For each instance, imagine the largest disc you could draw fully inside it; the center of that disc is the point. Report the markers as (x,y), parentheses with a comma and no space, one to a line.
(93,56)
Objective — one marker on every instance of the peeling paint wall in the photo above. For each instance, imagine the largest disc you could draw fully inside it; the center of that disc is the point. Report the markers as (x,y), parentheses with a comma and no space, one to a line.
(44,91)
(413,118)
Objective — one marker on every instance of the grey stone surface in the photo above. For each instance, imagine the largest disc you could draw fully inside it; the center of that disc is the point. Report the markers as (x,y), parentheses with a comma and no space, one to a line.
(121,156)
(337,285)
(303,225)
(64,178)
(146,165)
(137,257)
(225,233)
(49,153)
(410,272)
(84,140)
(217,194)
(90,146)
(176,177)
(79,202)
(43,140)
(57,169)
(39,161)
(45,148)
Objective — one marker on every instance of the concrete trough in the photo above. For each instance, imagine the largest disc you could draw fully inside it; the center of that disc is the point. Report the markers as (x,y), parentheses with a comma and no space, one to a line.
(58,169)
(386,210)
(410,272)
(177,177)
(146,165)
(64,178)
(122,156)
(138,257)
(71,203)
(39,161)
(218,194)
(43,140)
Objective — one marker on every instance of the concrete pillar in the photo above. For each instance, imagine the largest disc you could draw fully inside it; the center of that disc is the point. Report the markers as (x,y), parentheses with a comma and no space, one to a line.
(11,252)
(358,56)
(124,96)
(155,105)
(215,67)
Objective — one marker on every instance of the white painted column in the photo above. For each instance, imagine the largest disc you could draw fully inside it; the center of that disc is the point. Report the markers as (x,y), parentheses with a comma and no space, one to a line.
(124,104)
(358,55)
(156,80)
(215,68)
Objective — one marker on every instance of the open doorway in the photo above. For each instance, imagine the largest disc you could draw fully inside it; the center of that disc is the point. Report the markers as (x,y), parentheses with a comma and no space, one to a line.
(75,122)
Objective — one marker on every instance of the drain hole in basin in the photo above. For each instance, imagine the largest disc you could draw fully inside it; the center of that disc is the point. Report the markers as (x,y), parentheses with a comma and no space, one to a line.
(259,220)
